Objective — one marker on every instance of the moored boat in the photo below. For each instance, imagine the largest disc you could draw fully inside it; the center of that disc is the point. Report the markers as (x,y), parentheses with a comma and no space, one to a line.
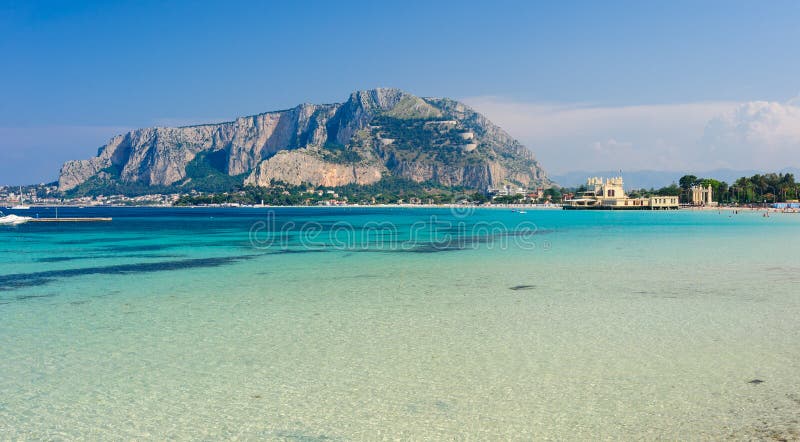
(21,205)
(13,220)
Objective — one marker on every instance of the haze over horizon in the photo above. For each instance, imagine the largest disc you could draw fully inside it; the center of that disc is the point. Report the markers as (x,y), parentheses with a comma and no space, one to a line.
(623,85)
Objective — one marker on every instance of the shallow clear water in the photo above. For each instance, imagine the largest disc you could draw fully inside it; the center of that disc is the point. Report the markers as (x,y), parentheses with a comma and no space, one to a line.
(319,324)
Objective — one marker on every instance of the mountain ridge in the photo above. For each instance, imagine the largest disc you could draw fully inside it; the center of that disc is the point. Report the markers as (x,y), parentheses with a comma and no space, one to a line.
(373,134)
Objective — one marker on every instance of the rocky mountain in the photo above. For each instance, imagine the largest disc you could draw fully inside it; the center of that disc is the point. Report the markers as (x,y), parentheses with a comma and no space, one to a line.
(375,133)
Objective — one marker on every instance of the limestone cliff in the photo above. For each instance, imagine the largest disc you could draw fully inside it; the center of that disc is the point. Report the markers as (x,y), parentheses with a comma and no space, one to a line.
(373,133)
(305,166)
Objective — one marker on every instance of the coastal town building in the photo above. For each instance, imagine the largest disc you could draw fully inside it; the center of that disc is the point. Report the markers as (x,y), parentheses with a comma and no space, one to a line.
(701,196)
(506,190)
(609,194)
(535,194)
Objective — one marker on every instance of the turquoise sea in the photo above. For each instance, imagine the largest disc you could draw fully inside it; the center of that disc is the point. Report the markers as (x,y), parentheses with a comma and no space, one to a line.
(391,323)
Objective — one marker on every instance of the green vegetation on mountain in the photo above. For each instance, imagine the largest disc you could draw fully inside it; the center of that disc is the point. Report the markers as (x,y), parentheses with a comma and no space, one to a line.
(340,154)
(413,108)
(206,173)
(424,140)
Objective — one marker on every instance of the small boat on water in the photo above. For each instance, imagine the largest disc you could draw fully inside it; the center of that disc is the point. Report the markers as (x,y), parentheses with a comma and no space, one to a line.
(13,220)
(21,205)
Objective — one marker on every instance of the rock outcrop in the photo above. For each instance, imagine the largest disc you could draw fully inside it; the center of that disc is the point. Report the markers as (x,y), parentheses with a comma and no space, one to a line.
(374,133)
(305,166)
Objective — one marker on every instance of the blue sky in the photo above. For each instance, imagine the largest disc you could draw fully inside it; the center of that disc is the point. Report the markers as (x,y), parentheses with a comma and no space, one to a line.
(625,83)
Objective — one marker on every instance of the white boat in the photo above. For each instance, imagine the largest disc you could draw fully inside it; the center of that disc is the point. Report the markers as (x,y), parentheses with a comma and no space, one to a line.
(21,205)
(13,220)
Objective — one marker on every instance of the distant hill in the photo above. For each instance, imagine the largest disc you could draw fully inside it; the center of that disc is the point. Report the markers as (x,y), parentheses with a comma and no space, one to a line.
(655,179)
(374,134)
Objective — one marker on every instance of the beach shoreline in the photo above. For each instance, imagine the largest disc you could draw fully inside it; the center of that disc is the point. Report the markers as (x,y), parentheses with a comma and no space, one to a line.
(410,206)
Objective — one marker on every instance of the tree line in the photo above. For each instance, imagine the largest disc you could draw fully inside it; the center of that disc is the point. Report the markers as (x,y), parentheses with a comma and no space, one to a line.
(757,189)
(766,188)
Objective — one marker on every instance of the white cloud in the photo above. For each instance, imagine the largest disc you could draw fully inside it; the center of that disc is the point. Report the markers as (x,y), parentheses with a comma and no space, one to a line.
(684,136)
(612,146)
(765,134)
